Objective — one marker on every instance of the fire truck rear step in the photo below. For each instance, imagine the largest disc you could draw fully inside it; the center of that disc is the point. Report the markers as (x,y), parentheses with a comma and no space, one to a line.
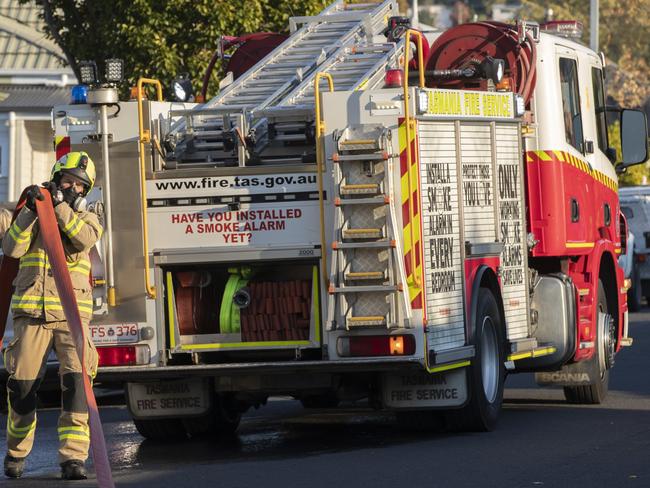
(360,189)
(362,233)
(365,275)
(369,321)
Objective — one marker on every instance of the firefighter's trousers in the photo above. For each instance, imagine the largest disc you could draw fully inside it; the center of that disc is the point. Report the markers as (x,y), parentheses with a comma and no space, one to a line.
(25,360)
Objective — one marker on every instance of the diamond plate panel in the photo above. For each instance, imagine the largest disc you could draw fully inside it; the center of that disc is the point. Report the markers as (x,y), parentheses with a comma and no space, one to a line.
(363,260)
(365,304)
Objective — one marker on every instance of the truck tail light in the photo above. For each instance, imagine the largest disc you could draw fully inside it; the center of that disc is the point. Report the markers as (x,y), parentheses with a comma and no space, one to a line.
(640,258)
(377,345)
(123,355)
(393,78)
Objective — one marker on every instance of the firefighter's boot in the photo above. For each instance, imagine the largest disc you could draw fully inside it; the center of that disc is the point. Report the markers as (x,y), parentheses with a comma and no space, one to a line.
(14,467)
(73,470)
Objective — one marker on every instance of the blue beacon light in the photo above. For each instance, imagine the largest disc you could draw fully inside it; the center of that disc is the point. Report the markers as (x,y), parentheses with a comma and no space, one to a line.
(79,94)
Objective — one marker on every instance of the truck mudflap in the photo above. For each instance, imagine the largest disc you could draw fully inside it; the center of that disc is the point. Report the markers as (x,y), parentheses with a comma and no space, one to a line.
(186,397)
(413,390)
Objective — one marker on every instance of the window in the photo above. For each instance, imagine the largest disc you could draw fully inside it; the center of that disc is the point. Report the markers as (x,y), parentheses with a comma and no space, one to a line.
(627,211)
(599,106)
(571,102)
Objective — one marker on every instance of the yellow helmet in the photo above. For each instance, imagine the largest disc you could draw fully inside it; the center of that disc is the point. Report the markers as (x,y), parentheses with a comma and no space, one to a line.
(77,164)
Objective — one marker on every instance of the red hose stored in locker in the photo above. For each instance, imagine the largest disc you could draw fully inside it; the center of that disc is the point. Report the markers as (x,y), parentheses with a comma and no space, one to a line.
(473,42)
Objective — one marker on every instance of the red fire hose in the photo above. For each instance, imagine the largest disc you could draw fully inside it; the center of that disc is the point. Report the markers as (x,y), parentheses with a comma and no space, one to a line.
(472,42)
(54,249)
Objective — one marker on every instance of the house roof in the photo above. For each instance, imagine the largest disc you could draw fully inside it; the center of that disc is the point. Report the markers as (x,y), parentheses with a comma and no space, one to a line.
(32,97)
(23,44)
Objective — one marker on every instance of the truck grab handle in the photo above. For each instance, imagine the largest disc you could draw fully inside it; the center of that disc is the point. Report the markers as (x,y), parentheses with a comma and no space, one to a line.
(144,136)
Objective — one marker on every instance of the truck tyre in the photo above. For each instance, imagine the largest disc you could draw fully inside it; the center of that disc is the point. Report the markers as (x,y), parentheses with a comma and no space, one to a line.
(486,375)
(635,293)
(227,414)
(222,421)
(161,430)
(324,400)
(603,357)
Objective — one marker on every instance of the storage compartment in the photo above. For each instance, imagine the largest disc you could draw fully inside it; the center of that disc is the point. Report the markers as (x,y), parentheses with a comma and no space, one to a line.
(223,305)
(554,301)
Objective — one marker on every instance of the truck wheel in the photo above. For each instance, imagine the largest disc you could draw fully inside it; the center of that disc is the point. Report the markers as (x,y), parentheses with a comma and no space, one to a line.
(222,421)
(227,414)
(486,375)
(603,356)
(162,430)
(324,400)
(635,293)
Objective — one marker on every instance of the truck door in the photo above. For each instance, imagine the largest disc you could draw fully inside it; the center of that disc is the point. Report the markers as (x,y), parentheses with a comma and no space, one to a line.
(578,191)
(596,145)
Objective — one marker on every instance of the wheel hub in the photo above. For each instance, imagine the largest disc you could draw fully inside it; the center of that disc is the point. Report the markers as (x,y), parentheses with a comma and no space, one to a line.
(606,341)
(489,360)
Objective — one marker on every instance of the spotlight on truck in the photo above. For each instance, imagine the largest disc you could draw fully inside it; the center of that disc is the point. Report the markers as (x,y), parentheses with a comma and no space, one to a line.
(88,72)
(182,88)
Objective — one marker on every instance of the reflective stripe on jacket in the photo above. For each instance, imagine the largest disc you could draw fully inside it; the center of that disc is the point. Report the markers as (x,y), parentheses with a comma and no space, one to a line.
(35,293)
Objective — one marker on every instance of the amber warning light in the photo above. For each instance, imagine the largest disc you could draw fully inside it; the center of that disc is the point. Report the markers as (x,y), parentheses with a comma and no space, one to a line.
(366,346)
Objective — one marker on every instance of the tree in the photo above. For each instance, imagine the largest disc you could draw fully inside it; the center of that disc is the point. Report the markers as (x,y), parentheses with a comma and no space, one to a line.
(160,38)
(623,31)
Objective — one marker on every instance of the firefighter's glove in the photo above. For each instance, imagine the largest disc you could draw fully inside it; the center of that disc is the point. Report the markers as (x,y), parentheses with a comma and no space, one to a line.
(33,194)
(57,195)
(74,199)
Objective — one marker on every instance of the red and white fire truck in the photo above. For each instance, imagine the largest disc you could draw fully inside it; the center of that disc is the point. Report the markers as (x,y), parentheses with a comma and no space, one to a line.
(341,223)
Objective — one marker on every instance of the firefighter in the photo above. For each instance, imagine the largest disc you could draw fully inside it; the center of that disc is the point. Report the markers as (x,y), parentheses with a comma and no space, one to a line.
(39,321)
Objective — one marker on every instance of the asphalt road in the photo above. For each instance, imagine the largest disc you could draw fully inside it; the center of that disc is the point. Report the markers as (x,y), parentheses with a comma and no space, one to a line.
(540,442)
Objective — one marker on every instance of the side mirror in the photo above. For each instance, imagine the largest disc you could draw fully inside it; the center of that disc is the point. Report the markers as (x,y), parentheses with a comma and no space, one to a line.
(634,137)
(611,154)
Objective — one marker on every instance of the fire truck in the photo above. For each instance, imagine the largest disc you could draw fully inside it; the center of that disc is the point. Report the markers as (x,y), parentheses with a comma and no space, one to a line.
(365,212)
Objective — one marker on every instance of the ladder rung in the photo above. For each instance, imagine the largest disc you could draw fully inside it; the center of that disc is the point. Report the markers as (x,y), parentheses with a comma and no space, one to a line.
(254,98)
(363,289)
(290,137)
(208,145)
(274,75)
(255,88)
(360,189)
(380,200)
(314,43)
(362,233)
(356,142)
(234,107)
(359,144)
(369,321)
(364,275)
(383,156)
(361,6)
(284,126)
(383,244)
(308,49)
(207,133)
(284,65)
(381,48)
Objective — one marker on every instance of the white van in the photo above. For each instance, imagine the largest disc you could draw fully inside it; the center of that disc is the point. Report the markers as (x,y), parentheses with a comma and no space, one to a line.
(635,204)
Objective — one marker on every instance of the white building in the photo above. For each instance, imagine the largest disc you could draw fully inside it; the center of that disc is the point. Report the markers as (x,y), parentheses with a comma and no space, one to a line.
(505,12)
(34,76)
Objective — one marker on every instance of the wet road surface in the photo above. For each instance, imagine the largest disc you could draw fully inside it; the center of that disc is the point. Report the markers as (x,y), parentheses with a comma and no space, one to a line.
(540,442)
